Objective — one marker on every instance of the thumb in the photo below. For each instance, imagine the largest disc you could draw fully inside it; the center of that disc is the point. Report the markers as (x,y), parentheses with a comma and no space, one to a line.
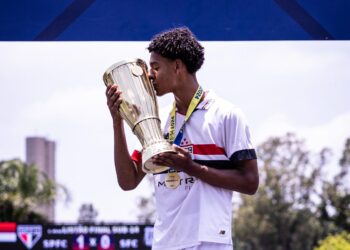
(181,150)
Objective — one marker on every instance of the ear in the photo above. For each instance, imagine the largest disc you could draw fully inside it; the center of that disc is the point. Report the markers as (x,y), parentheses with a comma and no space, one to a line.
(179,65)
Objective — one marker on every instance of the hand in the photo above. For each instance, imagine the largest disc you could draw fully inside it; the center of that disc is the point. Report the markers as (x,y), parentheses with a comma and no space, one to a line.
(180,160)
(114,100)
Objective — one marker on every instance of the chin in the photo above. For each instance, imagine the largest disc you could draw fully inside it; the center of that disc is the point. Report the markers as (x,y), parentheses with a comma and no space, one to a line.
(158,93)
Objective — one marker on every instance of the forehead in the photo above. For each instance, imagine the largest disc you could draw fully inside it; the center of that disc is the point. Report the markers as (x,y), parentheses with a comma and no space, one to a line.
(155,58)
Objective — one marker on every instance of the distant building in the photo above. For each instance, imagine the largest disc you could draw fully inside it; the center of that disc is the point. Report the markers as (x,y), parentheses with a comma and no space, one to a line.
(41,152)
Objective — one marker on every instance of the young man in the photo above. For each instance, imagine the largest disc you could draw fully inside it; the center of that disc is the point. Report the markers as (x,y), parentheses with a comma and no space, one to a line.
(214,155)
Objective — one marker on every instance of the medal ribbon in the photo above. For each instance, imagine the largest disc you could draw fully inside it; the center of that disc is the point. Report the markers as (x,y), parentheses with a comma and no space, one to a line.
(193,104)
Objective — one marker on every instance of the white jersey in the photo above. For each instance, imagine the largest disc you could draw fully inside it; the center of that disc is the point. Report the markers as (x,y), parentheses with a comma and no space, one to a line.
(216,135)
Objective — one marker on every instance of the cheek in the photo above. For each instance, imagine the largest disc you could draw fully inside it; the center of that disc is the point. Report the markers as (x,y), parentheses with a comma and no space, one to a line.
(165,74)
(160,76)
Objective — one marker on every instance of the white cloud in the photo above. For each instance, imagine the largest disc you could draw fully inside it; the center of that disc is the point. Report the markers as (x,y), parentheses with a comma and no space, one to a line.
(331,134)
(293,59)
(78,104)
(275,125)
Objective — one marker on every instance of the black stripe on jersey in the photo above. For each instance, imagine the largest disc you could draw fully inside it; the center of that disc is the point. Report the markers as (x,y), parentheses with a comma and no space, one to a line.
(241,155)
(221,164)
(245,154)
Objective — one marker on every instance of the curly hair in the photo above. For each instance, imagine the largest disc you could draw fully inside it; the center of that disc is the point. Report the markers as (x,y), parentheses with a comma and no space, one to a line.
(179,43)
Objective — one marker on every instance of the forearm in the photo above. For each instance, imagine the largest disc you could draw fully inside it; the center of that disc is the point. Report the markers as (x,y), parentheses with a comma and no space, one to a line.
(129,175)
(240,180)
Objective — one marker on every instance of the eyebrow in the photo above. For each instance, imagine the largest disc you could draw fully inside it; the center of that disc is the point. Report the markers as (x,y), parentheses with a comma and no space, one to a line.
(154,63)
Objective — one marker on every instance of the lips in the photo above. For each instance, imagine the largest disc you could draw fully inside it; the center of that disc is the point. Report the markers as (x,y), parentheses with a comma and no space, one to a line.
(154,84)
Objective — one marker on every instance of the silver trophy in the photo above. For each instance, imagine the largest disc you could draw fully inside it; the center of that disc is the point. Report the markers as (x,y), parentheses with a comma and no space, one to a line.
(139,109)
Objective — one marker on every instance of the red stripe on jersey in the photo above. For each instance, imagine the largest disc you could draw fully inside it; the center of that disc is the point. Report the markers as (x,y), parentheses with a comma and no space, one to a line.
(208,149)
(7,227)
(137,157)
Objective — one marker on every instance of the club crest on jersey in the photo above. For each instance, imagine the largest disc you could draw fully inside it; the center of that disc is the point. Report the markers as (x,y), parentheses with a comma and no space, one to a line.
(29,234)
(189,149)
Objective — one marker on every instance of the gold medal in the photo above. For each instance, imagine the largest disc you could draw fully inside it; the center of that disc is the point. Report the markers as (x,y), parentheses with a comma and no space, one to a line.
(172,180)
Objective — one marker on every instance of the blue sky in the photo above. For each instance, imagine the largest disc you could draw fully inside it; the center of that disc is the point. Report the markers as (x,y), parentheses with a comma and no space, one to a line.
(55,90)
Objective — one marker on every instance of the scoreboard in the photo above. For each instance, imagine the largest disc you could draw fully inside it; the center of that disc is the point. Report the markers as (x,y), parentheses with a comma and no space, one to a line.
(14,236)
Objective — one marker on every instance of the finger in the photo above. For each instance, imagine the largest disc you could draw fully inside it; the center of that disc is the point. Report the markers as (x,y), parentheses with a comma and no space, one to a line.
(174,158)
(182,151)
(108,90)
(114,99)
(111,89)
(162,162)
(163,158)
(166,154)
(115,96)
(116,104)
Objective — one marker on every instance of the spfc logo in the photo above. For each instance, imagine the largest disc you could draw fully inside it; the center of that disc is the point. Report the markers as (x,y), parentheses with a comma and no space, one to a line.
(29,234)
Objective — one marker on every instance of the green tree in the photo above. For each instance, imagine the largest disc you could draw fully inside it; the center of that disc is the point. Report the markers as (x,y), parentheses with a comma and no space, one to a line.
(22,189)
(335,242)
(291,209)
(335,198)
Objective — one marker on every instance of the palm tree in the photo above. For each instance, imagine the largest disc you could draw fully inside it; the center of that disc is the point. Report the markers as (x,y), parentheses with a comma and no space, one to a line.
(22,189)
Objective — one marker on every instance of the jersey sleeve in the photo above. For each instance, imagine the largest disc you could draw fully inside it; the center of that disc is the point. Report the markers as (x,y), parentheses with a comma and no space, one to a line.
(136,156)
(238,143)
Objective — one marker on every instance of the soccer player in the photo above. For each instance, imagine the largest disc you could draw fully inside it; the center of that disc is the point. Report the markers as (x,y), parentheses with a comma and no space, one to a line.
(214,154)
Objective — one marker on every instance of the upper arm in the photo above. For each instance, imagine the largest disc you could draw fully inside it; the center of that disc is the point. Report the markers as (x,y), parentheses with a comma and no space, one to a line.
(236,137)
(240,149)
(136,157)
(139,172)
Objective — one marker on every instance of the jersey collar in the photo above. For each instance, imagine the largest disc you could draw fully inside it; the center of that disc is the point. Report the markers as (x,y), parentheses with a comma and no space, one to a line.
(208,100)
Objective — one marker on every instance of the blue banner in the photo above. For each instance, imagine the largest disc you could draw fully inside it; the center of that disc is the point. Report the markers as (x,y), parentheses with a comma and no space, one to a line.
(135,20)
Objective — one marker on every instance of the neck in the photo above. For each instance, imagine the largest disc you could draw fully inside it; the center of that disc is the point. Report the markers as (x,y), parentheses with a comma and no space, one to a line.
(185,93)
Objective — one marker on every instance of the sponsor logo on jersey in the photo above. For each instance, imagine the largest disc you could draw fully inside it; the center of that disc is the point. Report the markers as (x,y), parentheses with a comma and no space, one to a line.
(183,181)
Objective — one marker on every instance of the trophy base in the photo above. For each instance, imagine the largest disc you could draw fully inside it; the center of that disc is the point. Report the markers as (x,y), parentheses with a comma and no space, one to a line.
(152,150)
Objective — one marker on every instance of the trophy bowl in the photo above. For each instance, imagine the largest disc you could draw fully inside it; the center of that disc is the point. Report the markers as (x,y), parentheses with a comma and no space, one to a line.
(139,108)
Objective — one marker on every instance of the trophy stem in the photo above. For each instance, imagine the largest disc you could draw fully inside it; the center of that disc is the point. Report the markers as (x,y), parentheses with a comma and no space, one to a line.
(147,153)
(144,119)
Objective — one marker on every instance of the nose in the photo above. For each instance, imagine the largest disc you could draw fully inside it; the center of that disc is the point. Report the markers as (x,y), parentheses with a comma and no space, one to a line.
(151,76)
